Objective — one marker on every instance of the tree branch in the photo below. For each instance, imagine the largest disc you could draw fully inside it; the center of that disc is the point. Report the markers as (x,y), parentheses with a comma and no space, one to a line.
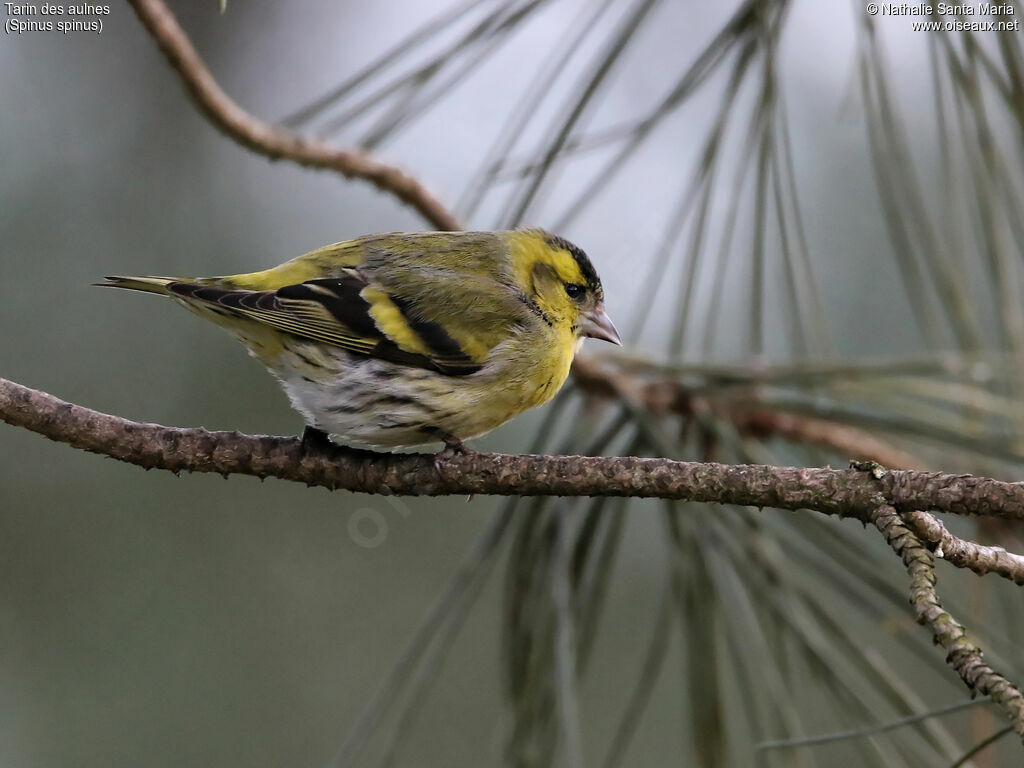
(965,554)
(965,657)
(871,496)
(844,493)
(838,438)
(666,395)
(271,140)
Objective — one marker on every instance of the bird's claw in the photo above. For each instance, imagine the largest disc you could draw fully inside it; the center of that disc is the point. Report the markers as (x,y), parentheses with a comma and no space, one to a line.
(452,447)
(875,469)
(316,441)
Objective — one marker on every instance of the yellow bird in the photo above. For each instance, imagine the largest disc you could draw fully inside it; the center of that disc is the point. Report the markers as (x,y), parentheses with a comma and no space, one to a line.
(402,339)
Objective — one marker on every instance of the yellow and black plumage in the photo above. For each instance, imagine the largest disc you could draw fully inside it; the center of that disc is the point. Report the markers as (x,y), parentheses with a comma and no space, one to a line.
(403,339)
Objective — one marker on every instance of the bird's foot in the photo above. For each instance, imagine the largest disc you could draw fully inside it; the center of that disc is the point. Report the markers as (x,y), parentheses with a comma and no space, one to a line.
(877,470)
(316,441)
(452,447)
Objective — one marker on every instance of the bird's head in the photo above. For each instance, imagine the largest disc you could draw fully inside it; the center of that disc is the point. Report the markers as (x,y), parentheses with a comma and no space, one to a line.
(559,278)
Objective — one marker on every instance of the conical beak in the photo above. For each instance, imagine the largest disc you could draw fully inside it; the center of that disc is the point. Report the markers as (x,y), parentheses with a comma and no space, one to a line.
(597,325)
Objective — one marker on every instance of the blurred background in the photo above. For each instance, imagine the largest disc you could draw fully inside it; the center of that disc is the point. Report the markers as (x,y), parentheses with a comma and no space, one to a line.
(808,223)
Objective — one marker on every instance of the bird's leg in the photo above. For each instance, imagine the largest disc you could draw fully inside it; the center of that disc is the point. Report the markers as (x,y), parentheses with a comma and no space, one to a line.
(453,446)
(314,439)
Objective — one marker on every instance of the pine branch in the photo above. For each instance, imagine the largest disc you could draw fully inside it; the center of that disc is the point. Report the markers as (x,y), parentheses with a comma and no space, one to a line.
(271,140)
(838,492)
(870,496)
(963,655)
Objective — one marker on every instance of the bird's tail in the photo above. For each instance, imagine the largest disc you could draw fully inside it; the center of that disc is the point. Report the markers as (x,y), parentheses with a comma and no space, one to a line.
(147,284)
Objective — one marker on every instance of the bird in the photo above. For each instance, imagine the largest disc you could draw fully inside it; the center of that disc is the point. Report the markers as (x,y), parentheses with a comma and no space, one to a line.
(397,340)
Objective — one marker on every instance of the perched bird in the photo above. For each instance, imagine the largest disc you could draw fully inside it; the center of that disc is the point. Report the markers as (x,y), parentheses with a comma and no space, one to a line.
(402,339)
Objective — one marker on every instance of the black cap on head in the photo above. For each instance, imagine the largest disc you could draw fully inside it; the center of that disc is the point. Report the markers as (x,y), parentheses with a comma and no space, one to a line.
(586,268)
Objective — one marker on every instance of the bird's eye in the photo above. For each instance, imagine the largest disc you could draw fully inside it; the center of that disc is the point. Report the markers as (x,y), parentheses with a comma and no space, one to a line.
(575,291)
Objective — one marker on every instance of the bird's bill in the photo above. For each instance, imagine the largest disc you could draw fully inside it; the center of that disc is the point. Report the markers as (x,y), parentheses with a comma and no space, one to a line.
(597,325)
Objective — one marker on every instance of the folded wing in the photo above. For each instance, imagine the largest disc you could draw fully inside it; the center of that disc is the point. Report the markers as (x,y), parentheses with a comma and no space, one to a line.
(349,312)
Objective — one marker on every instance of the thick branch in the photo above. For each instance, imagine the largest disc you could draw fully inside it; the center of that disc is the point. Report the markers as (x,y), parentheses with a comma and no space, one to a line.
(965,657)
(847,493)
(868,496)
(271,140)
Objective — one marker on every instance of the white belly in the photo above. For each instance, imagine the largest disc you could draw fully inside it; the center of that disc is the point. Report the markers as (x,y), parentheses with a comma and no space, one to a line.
(367,402)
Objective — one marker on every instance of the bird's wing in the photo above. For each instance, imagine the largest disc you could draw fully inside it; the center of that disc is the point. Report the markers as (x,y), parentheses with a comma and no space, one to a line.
(451,334)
